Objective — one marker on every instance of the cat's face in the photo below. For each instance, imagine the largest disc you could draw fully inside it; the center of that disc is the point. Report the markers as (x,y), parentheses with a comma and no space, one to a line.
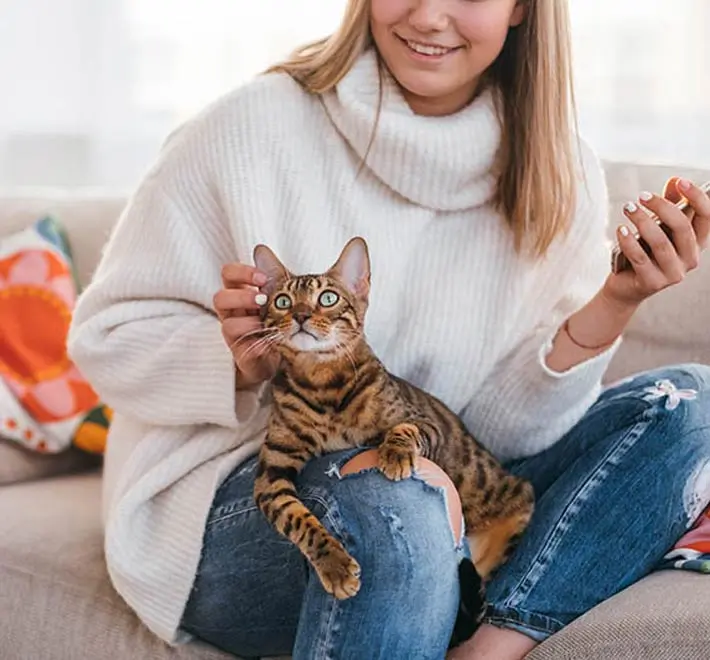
(319,314)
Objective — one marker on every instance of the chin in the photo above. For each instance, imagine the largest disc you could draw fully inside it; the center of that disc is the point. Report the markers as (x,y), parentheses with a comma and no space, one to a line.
(305,343)
(425,86)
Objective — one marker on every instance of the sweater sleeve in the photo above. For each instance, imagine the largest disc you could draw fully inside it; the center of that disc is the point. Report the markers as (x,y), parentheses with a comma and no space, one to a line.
(524,406)
(144,332)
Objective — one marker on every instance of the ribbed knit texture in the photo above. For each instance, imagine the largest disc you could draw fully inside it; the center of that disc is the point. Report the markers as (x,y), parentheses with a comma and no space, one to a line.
(453,307)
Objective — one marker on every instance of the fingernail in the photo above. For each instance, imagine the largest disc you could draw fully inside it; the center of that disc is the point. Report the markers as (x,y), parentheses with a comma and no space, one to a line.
(645,196)
(684,184)
(624,230)
(260,299)
(260,279)
(630,207)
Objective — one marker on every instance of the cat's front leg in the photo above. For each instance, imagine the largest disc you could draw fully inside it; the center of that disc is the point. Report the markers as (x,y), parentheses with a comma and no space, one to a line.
(399,450)
(281,458)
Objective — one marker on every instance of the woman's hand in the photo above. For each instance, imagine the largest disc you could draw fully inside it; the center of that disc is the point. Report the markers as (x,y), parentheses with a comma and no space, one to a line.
(597,325)
(237,306)
(671,259)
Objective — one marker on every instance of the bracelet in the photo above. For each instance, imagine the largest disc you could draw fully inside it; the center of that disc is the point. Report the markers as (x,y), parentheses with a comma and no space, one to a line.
(565,327)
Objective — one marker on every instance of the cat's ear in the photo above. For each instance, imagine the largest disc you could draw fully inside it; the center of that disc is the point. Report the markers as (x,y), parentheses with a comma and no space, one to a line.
(268,263)
(353,267)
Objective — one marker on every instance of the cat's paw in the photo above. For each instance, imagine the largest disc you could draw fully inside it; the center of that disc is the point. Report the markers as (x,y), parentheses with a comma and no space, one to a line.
(339,573)
(396,463)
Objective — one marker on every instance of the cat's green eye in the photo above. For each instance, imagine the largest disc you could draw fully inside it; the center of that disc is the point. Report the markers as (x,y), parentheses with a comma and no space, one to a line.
(282,302)
(328,298)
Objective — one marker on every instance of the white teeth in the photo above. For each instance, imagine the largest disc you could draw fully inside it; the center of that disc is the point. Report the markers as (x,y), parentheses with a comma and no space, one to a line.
(427,50)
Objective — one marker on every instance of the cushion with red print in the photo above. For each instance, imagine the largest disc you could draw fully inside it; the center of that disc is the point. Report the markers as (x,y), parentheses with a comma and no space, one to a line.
(45,403)
(692,552)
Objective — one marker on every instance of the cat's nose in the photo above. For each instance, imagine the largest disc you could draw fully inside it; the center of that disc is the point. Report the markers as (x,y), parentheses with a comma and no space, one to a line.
(301,314)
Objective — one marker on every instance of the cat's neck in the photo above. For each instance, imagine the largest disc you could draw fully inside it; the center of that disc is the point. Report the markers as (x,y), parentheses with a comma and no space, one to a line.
(320,371)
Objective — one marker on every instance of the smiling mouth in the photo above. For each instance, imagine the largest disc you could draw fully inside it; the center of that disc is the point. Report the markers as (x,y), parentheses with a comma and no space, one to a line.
(427,50)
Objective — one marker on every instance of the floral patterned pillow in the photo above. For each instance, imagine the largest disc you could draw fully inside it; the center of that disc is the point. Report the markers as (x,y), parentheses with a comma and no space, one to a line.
(45,403)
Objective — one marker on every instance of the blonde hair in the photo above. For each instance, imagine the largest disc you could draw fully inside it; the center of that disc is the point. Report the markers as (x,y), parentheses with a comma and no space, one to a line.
(536,166)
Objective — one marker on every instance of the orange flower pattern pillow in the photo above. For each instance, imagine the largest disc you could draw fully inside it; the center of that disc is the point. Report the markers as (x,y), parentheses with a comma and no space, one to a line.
(45,403)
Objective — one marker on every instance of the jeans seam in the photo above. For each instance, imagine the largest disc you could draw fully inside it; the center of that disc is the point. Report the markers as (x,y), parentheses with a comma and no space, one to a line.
(493,619)
(328,620)
(331,513)
(247,505)
(532,575)
(325,648)
(248,465)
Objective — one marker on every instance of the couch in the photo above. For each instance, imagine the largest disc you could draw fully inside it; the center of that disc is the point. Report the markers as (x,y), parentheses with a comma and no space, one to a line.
(56,601)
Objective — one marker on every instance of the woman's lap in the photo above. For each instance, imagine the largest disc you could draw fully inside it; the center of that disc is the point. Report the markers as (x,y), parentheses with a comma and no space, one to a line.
(612,497)
(255,595)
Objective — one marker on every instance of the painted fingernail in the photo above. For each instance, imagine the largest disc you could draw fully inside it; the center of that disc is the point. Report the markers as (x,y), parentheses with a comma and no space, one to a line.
(646,196)
(624,230)
(684,184)
(630,207)
(260,299)
(260,279)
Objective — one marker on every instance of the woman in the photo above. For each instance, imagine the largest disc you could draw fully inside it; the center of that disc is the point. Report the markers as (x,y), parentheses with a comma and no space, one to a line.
(440,131)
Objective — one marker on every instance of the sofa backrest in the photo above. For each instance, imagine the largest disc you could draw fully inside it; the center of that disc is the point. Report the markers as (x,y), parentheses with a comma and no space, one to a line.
(88,219)
(671,327)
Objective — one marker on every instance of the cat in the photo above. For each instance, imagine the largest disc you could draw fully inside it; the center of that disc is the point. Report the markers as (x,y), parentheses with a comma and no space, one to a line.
(331,392)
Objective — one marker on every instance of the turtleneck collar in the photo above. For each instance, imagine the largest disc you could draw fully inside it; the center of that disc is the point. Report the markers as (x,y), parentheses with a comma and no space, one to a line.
(442,163)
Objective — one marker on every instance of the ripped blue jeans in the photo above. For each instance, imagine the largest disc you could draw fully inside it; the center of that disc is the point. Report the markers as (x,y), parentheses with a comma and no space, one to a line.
(613,495)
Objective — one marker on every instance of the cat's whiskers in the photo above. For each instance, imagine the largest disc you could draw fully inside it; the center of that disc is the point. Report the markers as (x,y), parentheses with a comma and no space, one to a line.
(264,344)
(261,346)
(251,334)
(348,354)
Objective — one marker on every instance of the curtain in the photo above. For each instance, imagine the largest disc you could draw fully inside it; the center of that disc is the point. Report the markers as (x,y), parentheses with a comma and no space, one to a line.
(92,87)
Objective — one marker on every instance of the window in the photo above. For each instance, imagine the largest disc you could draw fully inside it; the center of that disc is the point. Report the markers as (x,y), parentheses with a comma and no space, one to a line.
(92,87)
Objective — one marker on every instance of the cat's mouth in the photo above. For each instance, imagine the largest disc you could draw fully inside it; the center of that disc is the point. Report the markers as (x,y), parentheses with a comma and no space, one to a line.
(303,331)
(303,340)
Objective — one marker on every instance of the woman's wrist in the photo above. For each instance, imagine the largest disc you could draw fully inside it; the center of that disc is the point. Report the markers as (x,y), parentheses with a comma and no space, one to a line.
(610,316)
(590,331)
(601,321)
(258,373)
(593,348)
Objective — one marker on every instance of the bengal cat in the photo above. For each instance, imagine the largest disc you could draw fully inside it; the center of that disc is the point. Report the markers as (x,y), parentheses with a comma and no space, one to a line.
(331,392)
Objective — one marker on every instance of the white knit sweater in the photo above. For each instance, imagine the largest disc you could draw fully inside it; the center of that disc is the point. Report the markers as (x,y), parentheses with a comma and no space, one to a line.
(453,307)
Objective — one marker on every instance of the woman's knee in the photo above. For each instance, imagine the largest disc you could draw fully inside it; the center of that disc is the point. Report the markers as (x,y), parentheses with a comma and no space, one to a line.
(680,438)
(400,534)
(700,372)
(683,392)
(427,472)
(679,395)
(405,535)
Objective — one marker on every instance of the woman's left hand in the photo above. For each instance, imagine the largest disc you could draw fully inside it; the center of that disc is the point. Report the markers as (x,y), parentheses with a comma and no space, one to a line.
(671,260)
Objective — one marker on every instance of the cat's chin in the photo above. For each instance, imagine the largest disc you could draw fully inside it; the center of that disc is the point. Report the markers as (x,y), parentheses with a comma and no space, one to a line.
(304,342)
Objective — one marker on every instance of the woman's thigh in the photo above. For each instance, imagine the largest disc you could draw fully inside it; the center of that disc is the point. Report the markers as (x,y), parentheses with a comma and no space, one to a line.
(612,497)
(670,401)
(255,594)
(250,582)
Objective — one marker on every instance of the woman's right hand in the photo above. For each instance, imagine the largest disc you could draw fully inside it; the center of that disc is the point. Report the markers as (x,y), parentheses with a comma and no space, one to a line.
(237,306)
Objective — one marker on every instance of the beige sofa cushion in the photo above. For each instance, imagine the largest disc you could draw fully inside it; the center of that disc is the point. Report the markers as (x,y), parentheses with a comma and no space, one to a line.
(663,617)
(55,596)
(19,464)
